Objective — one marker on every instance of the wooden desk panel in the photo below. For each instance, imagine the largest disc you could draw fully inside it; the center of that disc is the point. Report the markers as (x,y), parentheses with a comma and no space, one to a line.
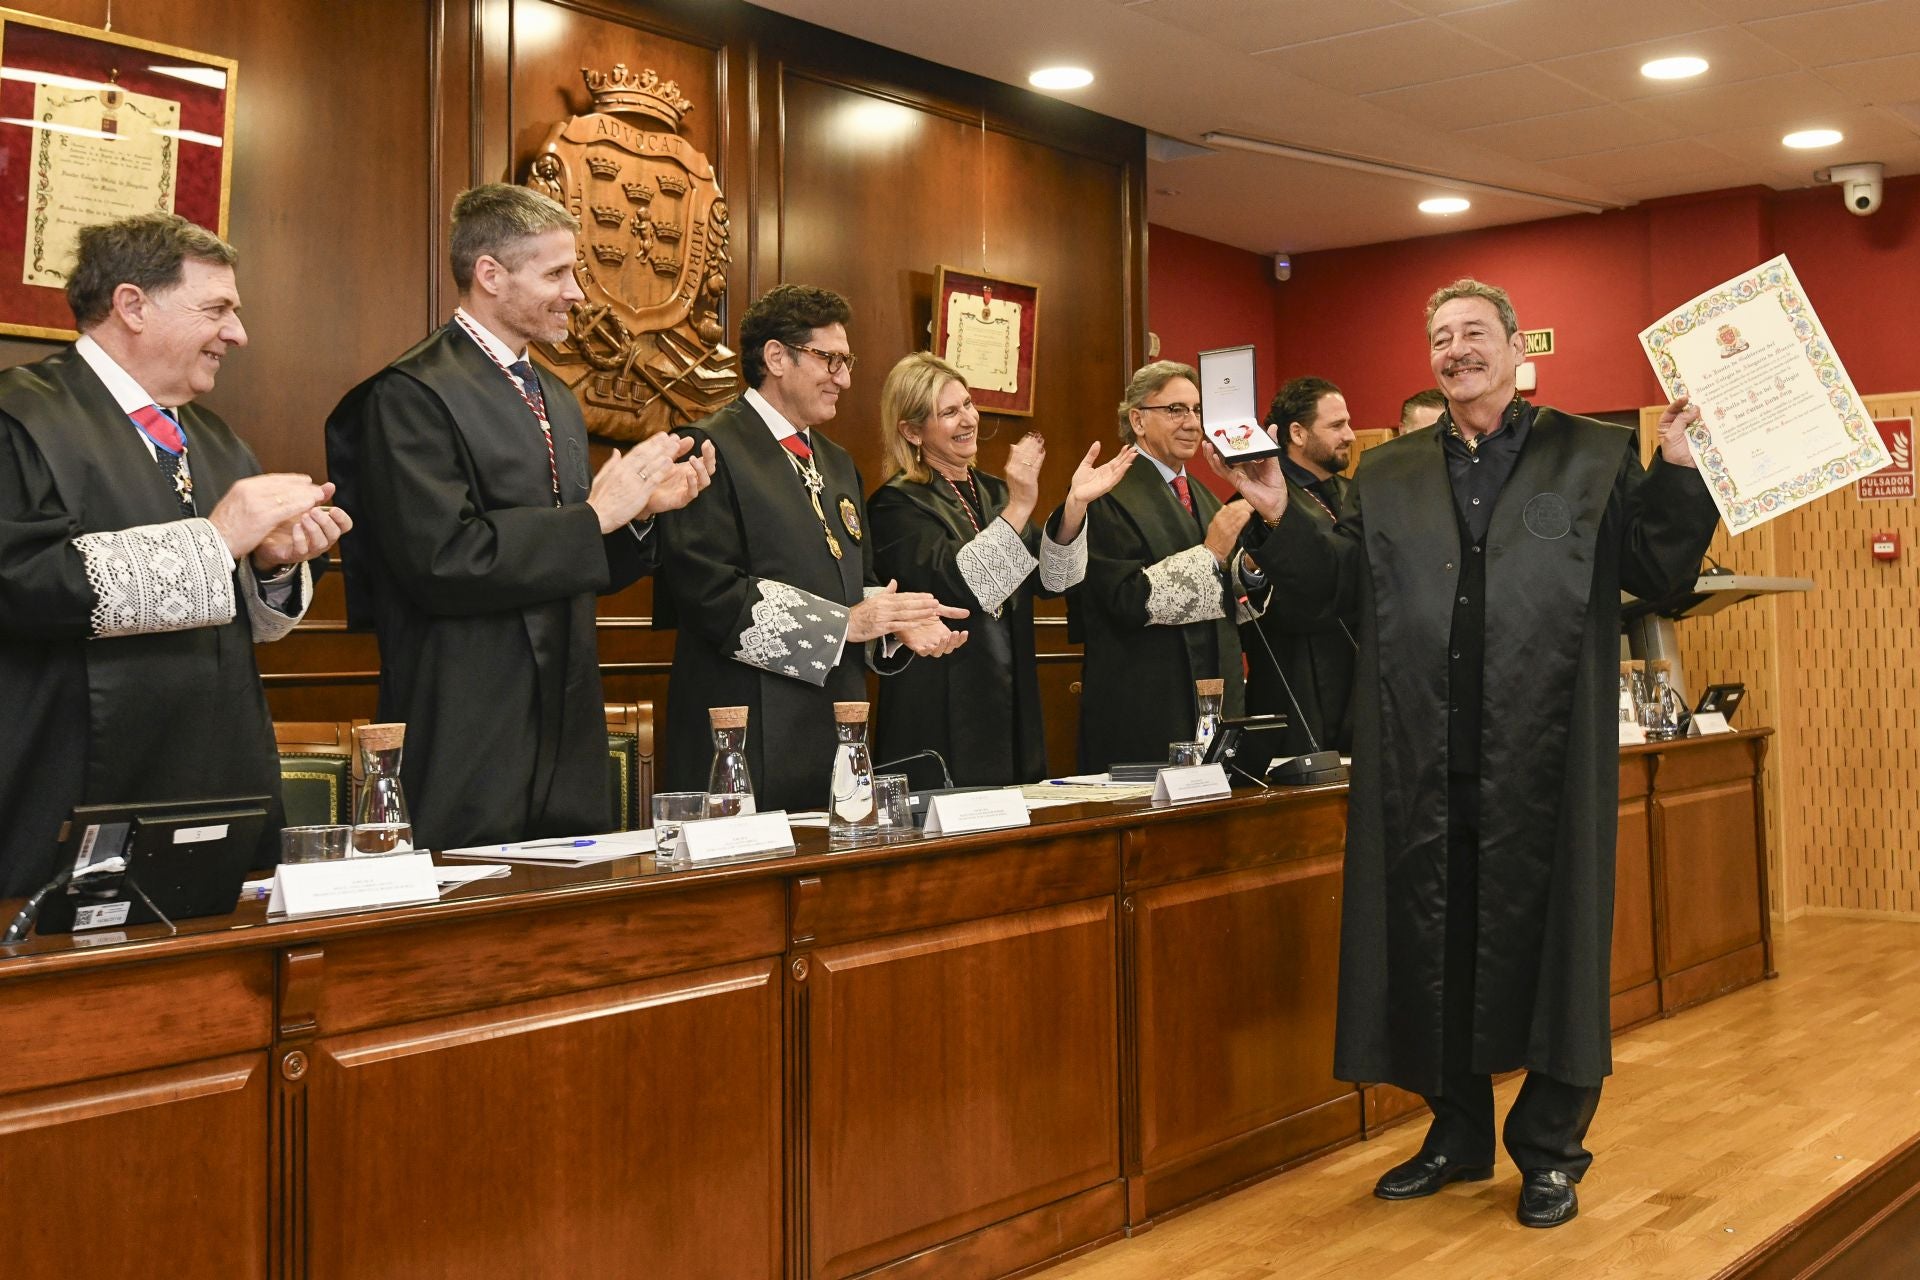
(955,1079)
(629,1131)
(1635,986)
(148,1173)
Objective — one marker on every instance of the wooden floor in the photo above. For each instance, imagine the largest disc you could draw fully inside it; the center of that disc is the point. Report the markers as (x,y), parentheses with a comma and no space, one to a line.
(1719,1127)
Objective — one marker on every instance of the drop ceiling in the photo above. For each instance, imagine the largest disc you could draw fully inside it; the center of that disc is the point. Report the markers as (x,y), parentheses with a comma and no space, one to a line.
(1542,97)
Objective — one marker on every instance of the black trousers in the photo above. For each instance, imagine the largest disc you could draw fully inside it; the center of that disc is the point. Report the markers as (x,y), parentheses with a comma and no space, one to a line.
(1547,1127)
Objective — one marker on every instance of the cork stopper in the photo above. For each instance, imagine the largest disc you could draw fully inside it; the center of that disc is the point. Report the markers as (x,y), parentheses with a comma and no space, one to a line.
(1658,665)
(1628,668)
(1210,688)
(727,717)
(849,713)
(379,737)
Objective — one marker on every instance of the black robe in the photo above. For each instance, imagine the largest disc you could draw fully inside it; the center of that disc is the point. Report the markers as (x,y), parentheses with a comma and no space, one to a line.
(481,591)
(1577,521)
(175,715)
(1313,645)
(761,606)
(1137,691)
(980,706)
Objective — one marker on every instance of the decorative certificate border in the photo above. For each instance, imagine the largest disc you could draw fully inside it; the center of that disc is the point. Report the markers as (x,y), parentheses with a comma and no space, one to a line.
(36,51)
(1741,510)
(948,281)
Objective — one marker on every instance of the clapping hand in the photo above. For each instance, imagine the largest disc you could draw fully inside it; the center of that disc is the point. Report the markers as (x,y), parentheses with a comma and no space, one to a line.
(681,477)
(1089,482)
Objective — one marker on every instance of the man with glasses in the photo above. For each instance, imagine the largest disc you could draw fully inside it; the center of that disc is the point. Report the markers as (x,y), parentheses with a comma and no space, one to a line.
(769,577)
(1165,585)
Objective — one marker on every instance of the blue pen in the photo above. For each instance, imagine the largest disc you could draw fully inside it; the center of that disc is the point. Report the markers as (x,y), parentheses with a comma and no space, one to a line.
(554,844)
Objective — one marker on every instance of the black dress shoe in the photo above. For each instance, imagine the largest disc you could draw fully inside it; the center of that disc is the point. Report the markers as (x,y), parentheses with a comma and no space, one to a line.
(1425,1174)
(1547,1199)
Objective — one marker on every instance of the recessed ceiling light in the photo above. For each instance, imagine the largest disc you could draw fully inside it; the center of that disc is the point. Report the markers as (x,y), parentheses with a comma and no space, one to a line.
(1446,204)
(1807,139)
(1061,78)
(1673,68)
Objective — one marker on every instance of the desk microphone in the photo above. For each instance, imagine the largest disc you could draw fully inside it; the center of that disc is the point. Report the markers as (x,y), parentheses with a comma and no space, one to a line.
(23,923)
(1318,765)
(928,754)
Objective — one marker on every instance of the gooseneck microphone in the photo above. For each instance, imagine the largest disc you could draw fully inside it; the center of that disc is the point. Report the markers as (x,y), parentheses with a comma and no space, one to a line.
(1318,765)
(928,754)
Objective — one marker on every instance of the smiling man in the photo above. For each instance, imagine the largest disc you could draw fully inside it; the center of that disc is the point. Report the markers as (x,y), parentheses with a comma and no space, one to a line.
(486,540)
(1485,558)
(1166,585)
(770,577)
(141,552)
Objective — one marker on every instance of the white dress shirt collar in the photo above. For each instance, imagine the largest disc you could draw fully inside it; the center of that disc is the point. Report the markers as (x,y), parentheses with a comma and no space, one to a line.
(490,340)
(126,393)
(1167,473)
(775,420)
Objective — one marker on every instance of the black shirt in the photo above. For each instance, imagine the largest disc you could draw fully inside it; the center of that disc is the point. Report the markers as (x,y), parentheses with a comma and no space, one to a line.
(1326,490)
(1479,473)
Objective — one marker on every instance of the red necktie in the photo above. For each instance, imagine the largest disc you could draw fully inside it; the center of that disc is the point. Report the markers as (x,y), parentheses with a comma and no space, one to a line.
(160,428)
(796,444)
(1181,491)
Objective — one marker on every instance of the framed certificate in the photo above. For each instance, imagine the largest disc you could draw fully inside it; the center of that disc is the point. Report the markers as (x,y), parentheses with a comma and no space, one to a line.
(96,126)
(985,327)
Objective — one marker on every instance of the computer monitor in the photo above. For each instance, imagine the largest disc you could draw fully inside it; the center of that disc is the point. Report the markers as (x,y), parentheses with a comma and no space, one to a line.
(183,860)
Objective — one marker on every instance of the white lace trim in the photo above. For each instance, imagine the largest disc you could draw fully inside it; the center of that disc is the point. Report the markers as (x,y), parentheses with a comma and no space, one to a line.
(994,564)
(1183,588)
(1063,565)
(793,633)
(269,624)
(158,577)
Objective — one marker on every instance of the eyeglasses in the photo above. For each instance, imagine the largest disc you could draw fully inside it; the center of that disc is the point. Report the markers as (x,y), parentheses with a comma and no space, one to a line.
(1174,412)
(834,360)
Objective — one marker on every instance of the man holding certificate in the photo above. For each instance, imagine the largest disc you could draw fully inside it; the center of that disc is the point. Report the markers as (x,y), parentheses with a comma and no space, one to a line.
(1485,559)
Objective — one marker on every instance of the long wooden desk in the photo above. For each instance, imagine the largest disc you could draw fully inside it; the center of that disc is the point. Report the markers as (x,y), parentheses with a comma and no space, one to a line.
(949,1057)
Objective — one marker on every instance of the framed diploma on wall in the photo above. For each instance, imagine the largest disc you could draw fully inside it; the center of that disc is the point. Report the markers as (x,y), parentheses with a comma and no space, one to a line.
(985,327)
(95,126)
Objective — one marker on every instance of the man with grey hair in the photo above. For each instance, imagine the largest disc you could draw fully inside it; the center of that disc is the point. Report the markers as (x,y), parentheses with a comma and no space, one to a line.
(485,539)
(1486,558)
(1166,585)
(141,552)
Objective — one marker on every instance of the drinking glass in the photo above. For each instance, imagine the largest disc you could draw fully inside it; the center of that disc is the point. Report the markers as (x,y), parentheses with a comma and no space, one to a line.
(1180,754)
(323,843)
(671,811)
(894,799)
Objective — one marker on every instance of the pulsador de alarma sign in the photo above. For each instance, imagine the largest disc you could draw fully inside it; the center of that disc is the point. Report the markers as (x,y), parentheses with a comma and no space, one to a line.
(1895,480)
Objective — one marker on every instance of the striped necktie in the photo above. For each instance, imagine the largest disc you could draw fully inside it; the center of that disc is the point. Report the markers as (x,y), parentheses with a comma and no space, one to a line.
(169,451)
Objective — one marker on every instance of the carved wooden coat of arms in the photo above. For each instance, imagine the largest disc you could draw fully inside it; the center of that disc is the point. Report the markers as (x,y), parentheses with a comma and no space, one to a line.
(644,352)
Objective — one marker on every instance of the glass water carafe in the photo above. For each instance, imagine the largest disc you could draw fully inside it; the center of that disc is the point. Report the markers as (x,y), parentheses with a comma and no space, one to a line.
(729,785)
(1662,713)
(380,821)
(851,815)
(1208,695)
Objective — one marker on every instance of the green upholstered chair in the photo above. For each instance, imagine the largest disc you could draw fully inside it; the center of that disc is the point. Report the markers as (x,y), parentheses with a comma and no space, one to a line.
(316,771)
(630,764)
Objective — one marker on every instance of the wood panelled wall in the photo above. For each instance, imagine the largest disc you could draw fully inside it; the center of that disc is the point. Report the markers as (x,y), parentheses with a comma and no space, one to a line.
(1837,672)
(846,165)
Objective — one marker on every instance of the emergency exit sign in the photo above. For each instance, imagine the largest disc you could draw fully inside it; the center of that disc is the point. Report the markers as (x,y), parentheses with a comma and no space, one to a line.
(1539,341)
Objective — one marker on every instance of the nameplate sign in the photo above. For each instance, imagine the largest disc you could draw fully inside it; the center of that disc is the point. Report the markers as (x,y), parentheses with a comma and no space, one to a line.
(1705,722)
(1178,784)
(741,836)
(351,884)
(1632,735)
(976,811)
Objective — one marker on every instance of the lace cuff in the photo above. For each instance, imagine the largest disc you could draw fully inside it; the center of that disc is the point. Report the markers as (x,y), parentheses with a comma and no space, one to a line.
(793,633)
(1184,588)
(158,577)
(269,621)
(1062,565)
(994,564)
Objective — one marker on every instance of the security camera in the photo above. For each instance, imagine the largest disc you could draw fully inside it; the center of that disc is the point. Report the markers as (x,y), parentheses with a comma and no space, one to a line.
(1860,186)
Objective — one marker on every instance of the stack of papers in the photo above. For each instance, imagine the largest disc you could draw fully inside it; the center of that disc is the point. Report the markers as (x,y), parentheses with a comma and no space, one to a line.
(575,851)
(1085,788)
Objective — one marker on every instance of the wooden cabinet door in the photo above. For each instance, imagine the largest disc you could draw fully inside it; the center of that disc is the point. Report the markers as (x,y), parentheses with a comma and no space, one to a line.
(624,1131)
(956,1077)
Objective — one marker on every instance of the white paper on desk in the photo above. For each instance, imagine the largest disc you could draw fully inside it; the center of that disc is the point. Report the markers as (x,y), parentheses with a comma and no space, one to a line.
(1780,422)
(568,852)
(454,877)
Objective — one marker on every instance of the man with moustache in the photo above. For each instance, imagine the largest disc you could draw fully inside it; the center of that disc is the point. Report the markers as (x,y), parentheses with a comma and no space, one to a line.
(770,577)
(1166,586)
(485,541)
(1300,653)
(1486,559)
(142,555)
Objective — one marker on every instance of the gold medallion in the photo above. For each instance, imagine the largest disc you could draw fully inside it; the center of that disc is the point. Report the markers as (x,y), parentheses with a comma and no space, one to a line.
(850,517)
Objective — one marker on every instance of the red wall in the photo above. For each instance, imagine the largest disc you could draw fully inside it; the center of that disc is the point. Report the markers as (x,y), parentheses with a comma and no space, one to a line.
(1355,316)
(1202,294)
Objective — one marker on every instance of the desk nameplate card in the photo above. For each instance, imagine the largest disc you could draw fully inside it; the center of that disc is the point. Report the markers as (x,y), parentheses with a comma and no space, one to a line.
(952,815)
(742,836)
(352,884)
(1178,784)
